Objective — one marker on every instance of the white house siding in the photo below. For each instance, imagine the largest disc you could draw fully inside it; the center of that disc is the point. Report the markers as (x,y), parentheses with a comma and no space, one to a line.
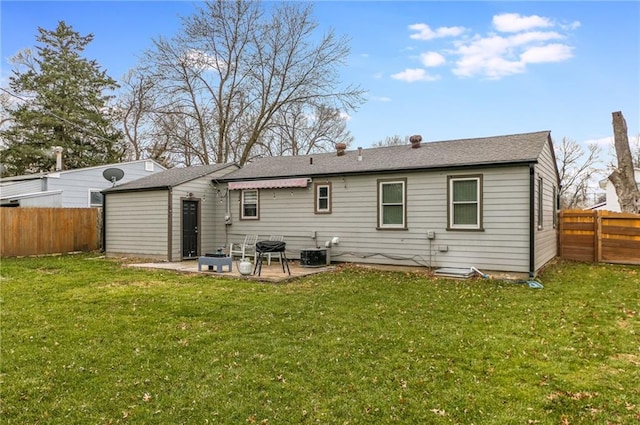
(503,245)
(137,224)
(546,238)
(613,203)
(76,184)
(49,199)
(9,188)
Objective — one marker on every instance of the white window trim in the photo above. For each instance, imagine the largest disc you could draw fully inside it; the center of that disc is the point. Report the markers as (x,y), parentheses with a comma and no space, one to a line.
(403,225)
(478,202)
(319,210)
(89,198)
(555,206)
(242,204)
(540,208)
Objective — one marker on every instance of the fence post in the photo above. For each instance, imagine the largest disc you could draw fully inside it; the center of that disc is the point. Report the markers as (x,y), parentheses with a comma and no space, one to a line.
(560,236)
(597,234)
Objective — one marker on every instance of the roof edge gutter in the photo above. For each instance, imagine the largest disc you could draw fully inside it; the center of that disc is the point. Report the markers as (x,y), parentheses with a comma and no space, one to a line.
(369,172)
(143,189)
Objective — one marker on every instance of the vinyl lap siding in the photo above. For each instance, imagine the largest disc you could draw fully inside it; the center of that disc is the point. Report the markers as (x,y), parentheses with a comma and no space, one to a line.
(204,194)
(136,224)
(76,184)
(503,245)
(9,189)
(546,239)
(211,206)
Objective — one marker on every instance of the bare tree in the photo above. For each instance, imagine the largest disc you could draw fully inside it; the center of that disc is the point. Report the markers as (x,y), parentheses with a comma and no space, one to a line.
(297,130)
(635,151)
(234,73)
(576,168)
(136,105)
(623,177)
(394,140)
(6,102)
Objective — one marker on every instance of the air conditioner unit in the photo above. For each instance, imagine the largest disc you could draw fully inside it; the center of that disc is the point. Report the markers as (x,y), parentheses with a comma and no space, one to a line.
(315,257)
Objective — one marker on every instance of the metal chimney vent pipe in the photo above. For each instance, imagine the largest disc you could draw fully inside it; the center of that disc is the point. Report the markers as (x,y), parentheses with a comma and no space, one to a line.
(58,151)
(415,141)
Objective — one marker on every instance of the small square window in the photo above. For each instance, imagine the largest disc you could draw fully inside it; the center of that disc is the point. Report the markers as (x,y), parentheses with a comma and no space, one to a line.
(249,205)
(95,198)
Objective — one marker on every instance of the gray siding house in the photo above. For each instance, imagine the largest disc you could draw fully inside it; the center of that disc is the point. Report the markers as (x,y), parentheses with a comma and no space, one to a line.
(488,203)
(80,188)
(168,216)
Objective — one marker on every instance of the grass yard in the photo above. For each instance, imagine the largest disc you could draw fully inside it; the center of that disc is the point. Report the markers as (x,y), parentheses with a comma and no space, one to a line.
(87,341)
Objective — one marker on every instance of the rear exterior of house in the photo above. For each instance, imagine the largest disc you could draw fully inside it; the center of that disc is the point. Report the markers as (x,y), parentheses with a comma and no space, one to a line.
(487,203)
(170,216)
(80,188)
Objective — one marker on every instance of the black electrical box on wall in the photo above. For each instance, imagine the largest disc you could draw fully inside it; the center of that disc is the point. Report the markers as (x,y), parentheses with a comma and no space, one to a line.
(314,257)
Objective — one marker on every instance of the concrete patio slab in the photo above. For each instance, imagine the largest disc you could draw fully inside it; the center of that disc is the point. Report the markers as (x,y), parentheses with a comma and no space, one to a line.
(272,273)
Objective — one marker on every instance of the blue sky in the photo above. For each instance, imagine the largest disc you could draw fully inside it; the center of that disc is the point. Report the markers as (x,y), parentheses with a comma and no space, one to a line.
(445,70)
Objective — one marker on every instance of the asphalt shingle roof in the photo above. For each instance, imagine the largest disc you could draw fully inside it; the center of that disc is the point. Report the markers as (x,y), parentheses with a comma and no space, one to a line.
(510,149)
(169,178)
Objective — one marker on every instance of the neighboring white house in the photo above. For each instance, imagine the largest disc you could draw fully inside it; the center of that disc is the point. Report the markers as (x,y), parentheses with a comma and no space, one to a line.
(80,188)
(611,203)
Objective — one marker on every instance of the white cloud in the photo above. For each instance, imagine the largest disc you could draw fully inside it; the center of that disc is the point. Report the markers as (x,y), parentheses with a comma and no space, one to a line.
(571,26)
(413,75)
(431,59)
(424,32)
(380,98)
(202,60)
(532,36)
(514,22)
(516,42)
(602,141)
(548,53)
(497,56)
(344,116)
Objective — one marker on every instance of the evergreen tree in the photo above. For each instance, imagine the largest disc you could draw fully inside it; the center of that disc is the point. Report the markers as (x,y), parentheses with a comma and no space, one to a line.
(64,102)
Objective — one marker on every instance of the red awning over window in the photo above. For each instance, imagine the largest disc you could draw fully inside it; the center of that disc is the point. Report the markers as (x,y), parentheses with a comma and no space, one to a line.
(269,184)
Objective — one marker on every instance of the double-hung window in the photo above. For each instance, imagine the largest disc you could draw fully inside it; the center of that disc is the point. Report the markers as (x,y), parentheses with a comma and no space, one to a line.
(249,205)
(392,204)
(323,198)
(465,202)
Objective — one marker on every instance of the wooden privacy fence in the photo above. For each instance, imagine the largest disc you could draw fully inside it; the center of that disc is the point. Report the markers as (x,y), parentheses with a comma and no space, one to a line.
(37,231)
(600,236)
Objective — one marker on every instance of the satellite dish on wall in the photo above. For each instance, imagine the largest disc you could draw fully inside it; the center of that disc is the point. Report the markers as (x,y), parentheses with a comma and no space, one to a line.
(113,175)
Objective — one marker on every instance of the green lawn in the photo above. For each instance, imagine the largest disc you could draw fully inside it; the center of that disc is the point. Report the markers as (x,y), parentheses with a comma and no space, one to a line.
(88,341)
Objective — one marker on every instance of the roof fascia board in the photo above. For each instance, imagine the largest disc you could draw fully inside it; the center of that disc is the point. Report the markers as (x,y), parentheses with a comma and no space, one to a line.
(390,171)
(110,190)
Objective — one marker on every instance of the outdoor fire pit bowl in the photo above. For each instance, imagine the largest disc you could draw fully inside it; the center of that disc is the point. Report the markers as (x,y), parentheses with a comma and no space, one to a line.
(271,247)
